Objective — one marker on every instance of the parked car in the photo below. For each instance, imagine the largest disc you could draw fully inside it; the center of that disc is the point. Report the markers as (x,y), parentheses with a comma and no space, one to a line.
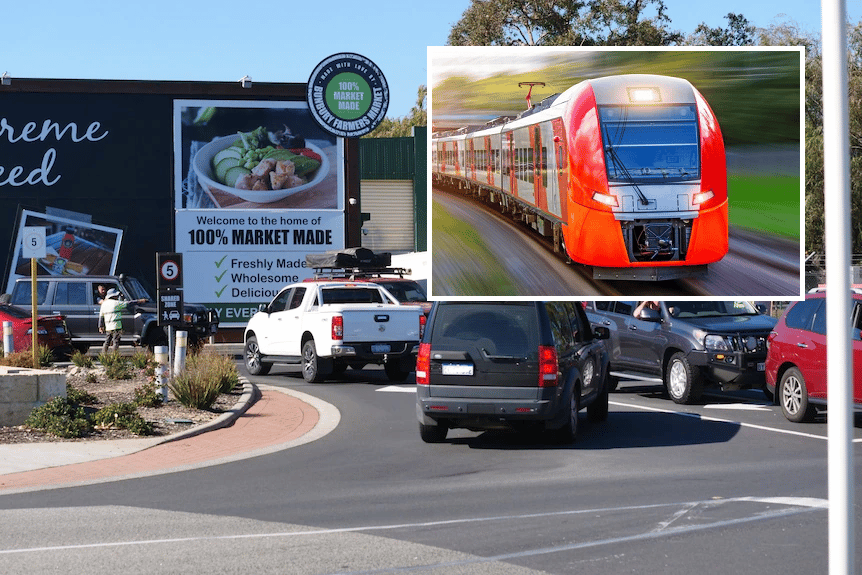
(77,298)
(686,345)
(796,361)
(51,331)
(527,364)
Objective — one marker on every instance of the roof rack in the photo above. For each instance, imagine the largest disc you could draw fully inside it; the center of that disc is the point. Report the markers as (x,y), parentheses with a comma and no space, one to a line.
(359,272)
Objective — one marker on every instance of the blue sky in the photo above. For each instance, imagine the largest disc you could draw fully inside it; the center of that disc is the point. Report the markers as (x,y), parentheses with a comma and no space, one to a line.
(219,40)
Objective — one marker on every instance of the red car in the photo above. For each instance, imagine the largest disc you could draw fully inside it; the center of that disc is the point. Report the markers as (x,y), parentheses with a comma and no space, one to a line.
(52,331)
(796,360)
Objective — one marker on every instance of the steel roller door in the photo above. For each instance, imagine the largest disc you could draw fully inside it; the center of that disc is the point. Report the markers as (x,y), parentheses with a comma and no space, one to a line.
(390,203)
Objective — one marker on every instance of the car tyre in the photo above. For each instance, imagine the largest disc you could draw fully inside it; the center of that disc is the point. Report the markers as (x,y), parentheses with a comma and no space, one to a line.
(598,410)
(433,433)
(684,381)
(253,361)
(794,397)
(313,370)
(569,431)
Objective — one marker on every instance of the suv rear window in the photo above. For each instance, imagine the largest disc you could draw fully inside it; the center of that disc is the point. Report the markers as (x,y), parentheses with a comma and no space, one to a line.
(500,329)
(21,293)
(351,295)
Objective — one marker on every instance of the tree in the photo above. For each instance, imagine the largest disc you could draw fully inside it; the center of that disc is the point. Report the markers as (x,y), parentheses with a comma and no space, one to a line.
(739,32)
(563,23)
(401,127)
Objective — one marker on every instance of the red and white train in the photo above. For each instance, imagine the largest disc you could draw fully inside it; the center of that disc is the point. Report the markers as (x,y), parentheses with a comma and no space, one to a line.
(627,174)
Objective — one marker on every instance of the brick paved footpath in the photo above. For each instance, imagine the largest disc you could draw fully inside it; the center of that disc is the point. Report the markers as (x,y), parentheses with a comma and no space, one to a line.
(276,418)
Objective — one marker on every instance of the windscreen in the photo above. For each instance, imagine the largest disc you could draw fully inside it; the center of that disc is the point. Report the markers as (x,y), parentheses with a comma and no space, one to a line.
(650,143)
(684,309)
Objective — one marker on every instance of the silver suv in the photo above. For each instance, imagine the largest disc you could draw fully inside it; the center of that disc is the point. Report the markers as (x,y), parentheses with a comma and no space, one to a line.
(77,298)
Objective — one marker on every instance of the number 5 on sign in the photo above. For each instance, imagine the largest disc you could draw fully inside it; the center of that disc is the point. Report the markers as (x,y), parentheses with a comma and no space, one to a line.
(33,242)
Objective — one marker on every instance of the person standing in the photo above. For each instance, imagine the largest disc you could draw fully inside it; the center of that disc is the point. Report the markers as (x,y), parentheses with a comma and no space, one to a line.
(111,319)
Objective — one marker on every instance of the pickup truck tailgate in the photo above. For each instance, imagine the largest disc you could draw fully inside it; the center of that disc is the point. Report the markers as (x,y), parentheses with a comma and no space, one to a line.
(381,324)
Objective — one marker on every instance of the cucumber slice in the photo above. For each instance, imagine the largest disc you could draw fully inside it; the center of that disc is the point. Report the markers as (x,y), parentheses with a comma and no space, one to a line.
(233,175)
(223,166)
(226,153)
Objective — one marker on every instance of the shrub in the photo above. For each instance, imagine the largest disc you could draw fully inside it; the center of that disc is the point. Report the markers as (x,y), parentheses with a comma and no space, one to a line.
(148,395)
(24,358)
(116,366)
(205,377)
(60,417)
(122,416)
(81,359)
(91,377)
(143,359)
(80,396)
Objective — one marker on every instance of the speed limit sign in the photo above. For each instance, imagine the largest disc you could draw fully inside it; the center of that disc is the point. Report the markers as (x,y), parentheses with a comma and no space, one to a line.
(169,270)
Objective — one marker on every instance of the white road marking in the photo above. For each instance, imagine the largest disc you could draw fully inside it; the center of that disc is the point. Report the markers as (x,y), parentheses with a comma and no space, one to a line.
(397,388)
(793,505)
(719,420)
(737,406)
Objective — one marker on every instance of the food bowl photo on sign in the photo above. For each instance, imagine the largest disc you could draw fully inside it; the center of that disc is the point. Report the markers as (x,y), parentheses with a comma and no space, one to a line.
(250,166)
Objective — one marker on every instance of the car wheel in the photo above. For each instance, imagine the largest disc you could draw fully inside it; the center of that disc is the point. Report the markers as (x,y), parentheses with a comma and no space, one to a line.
(598,409)
(684,381)
(394,371)
(312,365)
(253,362)
(156,338)
(569,431)
(433,433)
(794,397)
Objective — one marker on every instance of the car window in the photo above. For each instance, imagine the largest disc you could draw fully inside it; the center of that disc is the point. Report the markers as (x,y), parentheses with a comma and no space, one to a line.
(70,293)
(296,298)
(604,305)
(497,329)
(404,291)
(801,313)
(280,301)
(560,326)
(21,293)
(625,307)
(819,324)
(350,295)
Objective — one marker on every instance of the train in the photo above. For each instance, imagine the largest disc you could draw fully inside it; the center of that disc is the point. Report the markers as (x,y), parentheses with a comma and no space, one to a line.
(625,174)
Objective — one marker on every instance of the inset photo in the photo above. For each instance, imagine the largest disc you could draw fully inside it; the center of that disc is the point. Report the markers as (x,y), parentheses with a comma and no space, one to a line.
(572,172)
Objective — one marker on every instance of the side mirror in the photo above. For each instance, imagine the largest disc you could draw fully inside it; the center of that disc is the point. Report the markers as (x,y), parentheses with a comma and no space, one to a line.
(263,307)
(648,314)
(761,309)
(601,332)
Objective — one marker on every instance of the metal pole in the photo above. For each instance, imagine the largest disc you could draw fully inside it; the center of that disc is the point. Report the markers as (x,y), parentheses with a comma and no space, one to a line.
(839,332)
(180,355)
(34,325)
(163,363)
(8,338)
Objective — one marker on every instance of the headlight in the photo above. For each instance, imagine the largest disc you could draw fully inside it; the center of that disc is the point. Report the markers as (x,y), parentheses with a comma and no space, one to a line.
(716,343)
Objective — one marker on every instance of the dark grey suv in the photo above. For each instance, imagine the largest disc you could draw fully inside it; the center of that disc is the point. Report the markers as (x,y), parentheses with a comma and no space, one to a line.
(76,297)
(489,365)
(686,344)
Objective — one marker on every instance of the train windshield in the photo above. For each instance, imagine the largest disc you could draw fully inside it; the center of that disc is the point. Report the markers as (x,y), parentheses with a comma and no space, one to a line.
(650,143)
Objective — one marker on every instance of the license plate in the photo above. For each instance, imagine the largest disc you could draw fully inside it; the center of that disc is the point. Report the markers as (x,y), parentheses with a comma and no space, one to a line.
(380,348)
(457,369)
(761,366)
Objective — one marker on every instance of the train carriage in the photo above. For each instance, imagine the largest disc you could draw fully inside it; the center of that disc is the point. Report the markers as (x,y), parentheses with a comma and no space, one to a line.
(627,174)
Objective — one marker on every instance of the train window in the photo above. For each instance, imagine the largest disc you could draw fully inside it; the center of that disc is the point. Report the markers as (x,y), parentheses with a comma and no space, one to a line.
(651,143)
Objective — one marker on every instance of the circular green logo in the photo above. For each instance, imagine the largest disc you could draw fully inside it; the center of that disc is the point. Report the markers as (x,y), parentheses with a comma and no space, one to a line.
(348,95)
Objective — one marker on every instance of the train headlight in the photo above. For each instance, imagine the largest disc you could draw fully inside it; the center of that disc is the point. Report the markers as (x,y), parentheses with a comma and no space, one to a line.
(702,197)
(605,199)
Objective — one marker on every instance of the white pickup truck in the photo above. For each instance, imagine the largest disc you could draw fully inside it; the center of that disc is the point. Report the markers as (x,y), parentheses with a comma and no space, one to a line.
(328,326)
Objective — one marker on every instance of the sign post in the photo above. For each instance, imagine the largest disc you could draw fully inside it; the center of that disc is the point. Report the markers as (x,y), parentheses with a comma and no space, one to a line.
(33,246)
(169,285)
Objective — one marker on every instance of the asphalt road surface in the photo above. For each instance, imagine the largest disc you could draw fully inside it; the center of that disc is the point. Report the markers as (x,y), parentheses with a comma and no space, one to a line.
(728,486)
(757,266)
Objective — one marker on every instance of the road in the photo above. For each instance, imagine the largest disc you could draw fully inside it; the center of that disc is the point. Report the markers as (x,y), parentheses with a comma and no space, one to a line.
(757,266)
(729,486)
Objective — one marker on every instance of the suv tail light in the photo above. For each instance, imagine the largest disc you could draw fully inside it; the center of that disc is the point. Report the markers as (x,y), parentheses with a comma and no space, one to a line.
(422,322)
(547,366)
(337,327)
(423,364)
